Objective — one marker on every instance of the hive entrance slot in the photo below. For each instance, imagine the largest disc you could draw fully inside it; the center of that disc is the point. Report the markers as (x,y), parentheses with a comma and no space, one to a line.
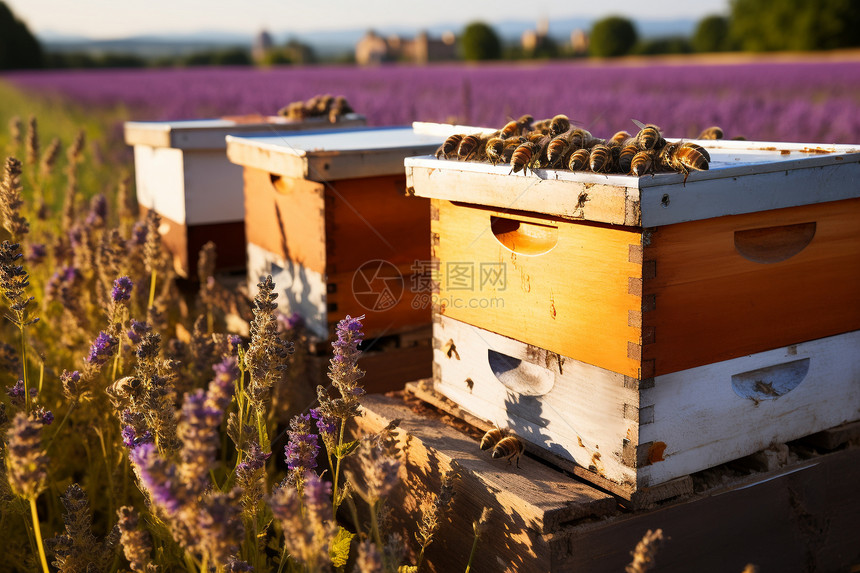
(281,184)
(519,376)
(774,244)
(522,237)
(771,382)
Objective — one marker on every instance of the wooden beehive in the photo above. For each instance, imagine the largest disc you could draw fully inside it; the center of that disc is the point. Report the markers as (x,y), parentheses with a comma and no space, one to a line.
(647,328)
(328,217)
(182,173)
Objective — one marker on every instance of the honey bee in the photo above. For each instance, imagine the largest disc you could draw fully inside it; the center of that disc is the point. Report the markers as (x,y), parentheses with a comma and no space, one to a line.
(470,146)
(649,137)
(559,124)
(582,139)
(578,160)
(524,156)
(449,147)
(525,122)
(685,157)
(625,157)
(620,137)
(491,438)
(600,159)
(510,448)
(496,148)
(644,162)
(712,132)
(511,129)
(556,149)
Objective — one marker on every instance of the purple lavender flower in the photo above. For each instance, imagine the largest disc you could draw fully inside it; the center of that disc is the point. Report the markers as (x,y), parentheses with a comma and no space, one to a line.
(43,416)
(102,349)
(28,463)
(226,371)
(291,321)
(325,424)
(98,211)
(254,460)
(137,330)
(303,447)
(38,252)
(235,342)
(138,233)
(128,436)
(317,498)
(158,477)
(76,237)
(131,440)
(71,383)
(16,393)
(121,289)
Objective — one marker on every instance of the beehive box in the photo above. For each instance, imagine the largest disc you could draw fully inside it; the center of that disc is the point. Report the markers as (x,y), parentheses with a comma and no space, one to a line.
(651,327)
(182,173)
(328,217)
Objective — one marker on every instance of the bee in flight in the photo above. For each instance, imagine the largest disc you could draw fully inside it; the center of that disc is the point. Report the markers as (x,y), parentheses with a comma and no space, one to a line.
(504,445)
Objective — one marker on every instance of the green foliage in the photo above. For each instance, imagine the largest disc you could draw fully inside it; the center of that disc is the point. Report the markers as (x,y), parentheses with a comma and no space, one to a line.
(19,49)
(612,36)
(766,25)
(712,34)
(226,57)
(480,42)
(666,45)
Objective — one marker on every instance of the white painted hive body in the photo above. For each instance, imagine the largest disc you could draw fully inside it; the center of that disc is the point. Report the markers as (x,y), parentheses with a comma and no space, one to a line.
(182,173)
(648,328)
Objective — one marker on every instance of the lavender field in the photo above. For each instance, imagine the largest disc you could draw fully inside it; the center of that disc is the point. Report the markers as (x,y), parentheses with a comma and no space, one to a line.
(799,102)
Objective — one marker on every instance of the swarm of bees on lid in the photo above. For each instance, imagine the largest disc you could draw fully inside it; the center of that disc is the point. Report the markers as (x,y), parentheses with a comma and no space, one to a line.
(318,106)
(556,144)
(503,444)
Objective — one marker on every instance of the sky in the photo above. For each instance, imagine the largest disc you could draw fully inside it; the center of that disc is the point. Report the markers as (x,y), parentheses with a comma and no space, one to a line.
(106,19)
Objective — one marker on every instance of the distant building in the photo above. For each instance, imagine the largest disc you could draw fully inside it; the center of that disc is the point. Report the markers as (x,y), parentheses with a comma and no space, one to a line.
(263,44)
(372,49)
(532,39)
(579,42)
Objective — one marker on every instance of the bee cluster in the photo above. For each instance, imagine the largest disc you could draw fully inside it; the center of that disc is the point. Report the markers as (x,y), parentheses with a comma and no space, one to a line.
(556,144)
(318,106)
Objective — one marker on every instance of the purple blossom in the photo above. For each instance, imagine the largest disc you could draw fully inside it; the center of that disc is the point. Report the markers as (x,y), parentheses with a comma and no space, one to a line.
(102,349)
(76,236)
(38,252)
(158,477)
(121,289)
(291,321)
(255,459)
(132,440)
(98,211)
(43,416)
(16,393)
(325,424)
(302,450)
(137,330)
(235,342)
(138,233)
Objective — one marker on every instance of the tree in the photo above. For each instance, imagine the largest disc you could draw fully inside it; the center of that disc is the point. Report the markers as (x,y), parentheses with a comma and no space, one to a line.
(612,36)
(480,42)
(19,49)
(712,34)
(762,25)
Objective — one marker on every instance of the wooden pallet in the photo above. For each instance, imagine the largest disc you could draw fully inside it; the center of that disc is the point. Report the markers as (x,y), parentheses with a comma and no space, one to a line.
(800,516)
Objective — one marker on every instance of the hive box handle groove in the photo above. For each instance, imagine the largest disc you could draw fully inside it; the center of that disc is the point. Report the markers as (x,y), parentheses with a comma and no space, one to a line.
(280,184)
(524,238)
(771,382)
(774,244)
(521,377)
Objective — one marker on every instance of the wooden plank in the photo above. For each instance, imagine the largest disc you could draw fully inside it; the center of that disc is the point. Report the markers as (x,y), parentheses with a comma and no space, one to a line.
(757,177)
(569,200)
(160,181)
(551,300)
(321,157)
(732,422)
(211,133)
(641,498)
(706,290)
(748,193)
(286,217)
(836,437)
(300,289)
(797,519)
(527,502)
